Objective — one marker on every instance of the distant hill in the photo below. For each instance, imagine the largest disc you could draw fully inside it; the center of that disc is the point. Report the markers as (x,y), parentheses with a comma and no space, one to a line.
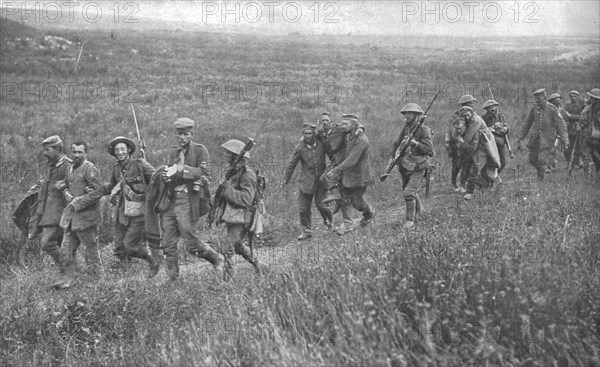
(10,29)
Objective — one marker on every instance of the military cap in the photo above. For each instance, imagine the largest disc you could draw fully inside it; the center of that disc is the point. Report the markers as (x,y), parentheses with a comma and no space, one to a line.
(411,107)
(235,146)
(466,98)
(594,93)
(464,109)
(540,91)
(325,114)
(490,103)
(575,92)
(52,141)
(120,139)
(309,126)
(184,124)
(350,117)
(554,95)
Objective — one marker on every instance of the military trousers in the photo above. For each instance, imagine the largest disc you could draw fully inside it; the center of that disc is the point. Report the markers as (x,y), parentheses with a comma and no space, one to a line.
(455,161)
(471,171)
(356,196)
(52,237)
(234,243)
(575,145)
(411,184)
(176,223)
(539,158)
(305,207)
(130,239)
(71,242)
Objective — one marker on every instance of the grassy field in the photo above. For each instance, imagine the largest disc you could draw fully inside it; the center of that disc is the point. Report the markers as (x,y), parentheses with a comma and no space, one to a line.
(508,279)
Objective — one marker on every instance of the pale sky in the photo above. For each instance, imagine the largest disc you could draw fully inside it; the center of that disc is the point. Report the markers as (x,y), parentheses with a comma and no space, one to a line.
(459,18)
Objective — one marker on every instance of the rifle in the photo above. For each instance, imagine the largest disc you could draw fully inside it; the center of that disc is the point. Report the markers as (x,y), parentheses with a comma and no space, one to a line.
(139,136)
(218,198)
(404,144)
(505,137)
(577,138)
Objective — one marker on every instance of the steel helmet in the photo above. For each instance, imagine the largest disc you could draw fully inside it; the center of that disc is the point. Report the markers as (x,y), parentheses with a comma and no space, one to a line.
(490,103)
(235,146)
(412,107)
(554,95)
(466,98)
(594,93)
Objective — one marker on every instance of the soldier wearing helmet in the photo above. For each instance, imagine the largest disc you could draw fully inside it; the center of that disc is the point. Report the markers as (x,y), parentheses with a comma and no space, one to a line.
(573,110)
(238,194)
(496,121)
(590,119)
(451,149)
(188,178)
(128,182)
(545,123)
(414,161)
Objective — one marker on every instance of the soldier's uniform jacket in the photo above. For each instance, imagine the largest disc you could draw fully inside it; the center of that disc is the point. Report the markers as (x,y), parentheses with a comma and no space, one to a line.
(51,201)
(421,151)
(590,119)
(470,145)
(84,184)
(356,167)
(312,159)
(448,138)
(240,192)
(195,166)
(136,173)
(574,110)
(335,142)
(490,119)
(544,122)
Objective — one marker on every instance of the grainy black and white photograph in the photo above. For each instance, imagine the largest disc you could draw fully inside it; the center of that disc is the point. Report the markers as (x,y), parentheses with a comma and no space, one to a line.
(300,183)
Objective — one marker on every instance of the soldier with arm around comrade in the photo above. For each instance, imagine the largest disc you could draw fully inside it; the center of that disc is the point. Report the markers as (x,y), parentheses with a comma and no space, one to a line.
(355,168)
(127,185)
(573,110)
(82,190)
(500,129)
(310,153)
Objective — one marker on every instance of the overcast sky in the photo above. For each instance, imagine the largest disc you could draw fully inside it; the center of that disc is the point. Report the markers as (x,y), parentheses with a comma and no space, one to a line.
(460,18)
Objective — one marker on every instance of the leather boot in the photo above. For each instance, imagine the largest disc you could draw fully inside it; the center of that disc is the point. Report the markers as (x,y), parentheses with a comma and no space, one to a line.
(244,251)
(153,264)
(333,195)
(216,259)
(228,268)
(410,210)
(172,268)
(418,206)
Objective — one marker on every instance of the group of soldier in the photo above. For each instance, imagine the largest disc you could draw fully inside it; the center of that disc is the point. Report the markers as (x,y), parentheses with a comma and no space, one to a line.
(157,206)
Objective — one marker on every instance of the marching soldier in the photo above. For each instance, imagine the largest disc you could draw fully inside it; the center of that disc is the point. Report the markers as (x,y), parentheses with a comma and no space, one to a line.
(310,153)
(556,100)
(51,202)
(355,168)
(496,121)
(414,162)
(82,190)
(574,108)
(451,148)
(590,118)
(545,122)
(187,176)
(127,187)
(239,195)
(468,145)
